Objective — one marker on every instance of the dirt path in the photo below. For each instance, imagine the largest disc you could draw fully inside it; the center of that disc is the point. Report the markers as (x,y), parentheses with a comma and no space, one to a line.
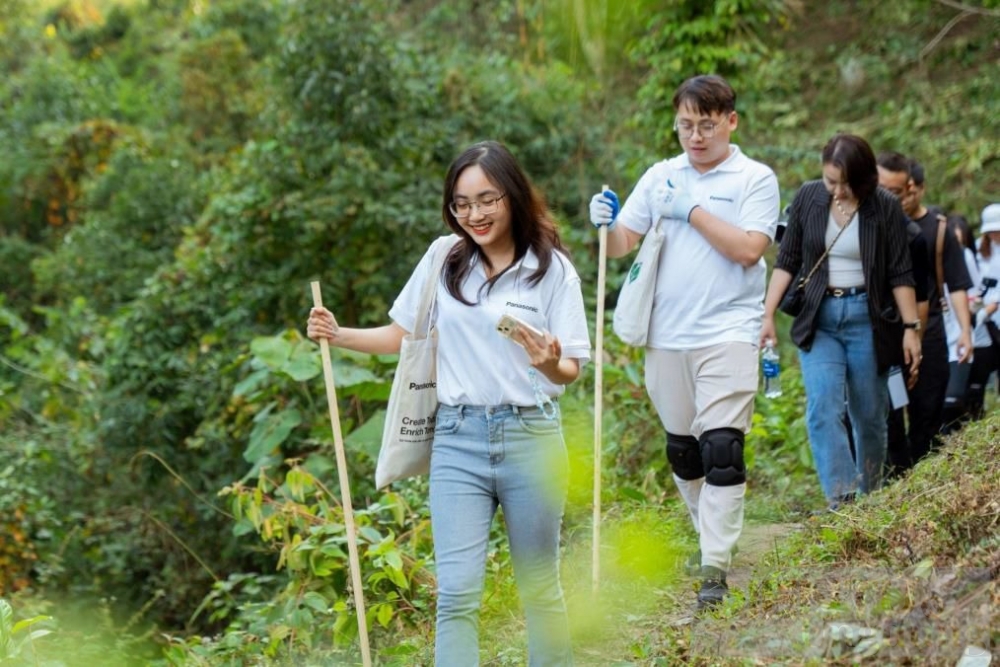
(641,634)
(757,539)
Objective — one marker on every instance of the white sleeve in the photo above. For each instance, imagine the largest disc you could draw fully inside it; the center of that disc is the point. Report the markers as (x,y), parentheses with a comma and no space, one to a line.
(404,308)
(760,208)
(566,317)
(973,268)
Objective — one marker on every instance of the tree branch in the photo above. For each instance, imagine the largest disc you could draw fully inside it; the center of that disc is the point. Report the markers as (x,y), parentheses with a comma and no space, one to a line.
(970,9)
(25,371)
(944,31)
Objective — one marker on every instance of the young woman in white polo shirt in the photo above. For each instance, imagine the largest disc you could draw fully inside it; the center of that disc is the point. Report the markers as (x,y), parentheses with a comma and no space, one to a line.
(498,435)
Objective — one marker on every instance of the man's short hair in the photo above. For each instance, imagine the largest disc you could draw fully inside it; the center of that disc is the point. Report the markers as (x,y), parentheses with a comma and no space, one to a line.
(916,172)
(894,162)
(707,93)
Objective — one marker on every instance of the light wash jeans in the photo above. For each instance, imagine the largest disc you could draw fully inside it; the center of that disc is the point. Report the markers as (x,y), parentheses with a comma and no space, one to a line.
(842,363)
(515,458)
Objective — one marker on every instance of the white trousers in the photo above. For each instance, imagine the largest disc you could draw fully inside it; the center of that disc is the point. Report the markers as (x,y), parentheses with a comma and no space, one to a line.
(695,391)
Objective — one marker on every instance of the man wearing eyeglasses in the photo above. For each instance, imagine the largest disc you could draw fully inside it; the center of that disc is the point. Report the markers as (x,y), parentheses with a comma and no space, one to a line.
(718,210)
(907,444)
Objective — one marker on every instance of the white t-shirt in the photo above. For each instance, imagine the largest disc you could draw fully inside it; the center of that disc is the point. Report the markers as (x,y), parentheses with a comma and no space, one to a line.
(988,268)
(952,328)
(475,364)
(703,298)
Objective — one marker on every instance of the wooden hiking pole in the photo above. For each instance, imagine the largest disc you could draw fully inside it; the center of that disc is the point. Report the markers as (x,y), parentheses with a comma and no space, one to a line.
(345,488)
(602,260)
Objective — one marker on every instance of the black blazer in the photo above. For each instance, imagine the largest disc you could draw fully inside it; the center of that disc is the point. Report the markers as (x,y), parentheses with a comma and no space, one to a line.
(885,259)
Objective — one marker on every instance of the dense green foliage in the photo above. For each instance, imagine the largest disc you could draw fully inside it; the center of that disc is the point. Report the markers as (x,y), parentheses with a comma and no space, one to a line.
(177,171)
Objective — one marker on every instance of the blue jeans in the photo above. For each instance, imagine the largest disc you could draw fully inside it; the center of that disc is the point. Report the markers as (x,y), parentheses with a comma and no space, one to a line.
(514,458)
(841,363)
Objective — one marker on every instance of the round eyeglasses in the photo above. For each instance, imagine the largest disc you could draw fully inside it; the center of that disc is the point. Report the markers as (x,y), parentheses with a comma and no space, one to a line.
(487,205)
(706,128)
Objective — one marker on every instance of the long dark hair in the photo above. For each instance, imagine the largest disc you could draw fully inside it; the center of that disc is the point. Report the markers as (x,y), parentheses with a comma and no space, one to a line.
(960,223)
(856,161)
(531,222)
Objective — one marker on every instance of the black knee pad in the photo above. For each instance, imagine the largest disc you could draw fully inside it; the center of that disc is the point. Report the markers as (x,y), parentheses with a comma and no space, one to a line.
(685,460)
(722,456)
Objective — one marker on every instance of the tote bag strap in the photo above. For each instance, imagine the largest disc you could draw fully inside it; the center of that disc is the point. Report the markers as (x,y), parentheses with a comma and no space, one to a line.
(428,297)
(654,235)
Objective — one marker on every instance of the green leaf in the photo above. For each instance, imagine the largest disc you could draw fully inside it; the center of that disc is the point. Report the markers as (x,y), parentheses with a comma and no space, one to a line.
(632,493)
(251,383)
(318,465)
(394,559)
(303,363)
(315,601)
(349,375)
(274,351)
(384,614)
(370,534)
(28,622)
(367,438)
(271,432)
(6,615)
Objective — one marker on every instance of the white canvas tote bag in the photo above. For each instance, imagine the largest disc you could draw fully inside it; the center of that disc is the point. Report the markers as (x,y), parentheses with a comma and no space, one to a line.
(635,300)
(413,402)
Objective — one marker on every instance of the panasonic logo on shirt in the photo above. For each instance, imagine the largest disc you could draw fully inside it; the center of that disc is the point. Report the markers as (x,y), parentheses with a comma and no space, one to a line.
(511,304)
(714,198)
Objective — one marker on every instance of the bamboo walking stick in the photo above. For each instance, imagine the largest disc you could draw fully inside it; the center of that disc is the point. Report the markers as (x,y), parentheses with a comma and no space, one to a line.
(345,488)
(602,260)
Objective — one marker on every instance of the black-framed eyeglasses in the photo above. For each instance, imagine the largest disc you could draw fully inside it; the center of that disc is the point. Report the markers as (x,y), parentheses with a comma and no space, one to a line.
(706,128)
(487,205)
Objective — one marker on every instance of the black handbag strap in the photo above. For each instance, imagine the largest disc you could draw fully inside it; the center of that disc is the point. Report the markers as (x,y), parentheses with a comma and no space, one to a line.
(805,281)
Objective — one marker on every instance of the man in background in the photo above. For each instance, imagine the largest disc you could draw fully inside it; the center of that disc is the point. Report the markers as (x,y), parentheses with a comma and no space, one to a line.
(927,391)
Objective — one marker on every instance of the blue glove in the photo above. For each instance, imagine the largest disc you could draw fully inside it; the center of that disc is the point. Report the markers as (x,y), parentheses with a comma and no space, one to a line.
(604,208)
(676,204)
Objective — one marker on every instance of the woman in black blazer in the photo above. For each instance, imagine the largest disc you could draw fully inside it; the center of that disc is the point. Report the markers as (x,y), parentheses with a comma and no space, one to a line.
(859,313)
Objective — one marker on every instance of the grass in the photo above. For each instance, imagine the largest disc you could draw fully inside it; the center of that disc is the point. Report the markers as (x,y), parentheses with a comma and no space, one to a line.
(914,567)
(906,576)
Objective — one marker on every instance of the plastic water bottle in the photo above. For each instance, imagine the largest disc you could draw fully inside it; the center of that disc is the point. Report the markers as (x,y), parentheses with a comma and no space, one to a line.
(771,367)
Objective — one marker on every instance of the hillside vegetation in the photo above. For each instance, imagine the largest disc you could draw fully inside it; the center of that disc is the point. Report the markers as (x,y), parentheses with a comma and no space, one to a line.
(176,172)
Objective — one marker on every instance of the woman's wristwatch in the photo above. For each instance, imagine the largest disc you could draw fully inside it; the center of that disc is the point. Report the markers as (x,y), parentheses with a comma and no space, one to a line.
(915,325)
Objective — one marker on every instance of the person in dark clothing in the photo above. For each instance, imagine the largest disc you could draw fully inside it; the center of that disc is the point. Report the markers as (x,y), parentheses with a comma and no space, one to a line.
(898,457)
(927,391)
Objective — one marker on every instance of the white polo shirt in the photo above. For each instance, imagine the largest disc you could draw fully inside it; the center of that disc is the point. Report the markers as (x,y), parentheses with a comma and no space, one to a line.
(703,298)
(475,364)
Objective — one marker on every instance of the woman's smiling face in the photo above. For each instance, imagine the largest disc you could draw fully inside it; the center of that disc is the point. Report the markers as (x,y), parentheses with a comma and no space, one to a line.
(486,229)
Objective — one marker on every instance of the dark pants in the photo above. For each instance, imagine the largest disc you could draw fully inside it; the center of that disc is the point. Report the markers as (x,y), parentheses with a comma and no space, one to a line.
(924,413)
(955,412)
(985,361)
